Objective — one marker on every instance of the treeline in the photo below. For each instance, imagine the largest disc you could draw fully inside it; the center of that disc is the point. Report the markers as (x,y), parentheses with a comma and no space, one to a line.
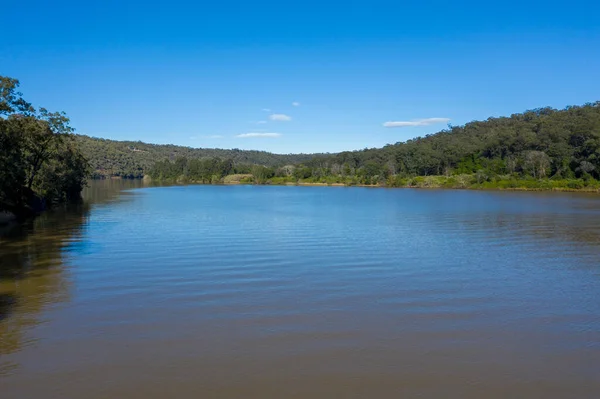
(40,163)
(535,145)
(134,159)
(215,170)
(539,149)
(206,170)
(543,148)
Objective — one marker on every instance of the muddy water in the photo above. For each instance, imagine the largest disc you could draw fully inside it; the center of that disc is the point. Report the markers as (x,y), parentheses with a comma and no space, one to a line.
(298,292)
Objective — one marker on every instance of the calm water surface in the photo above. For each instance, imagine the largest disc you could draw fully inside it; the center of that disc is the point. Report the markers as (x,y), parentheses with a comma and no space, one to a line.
(303,292)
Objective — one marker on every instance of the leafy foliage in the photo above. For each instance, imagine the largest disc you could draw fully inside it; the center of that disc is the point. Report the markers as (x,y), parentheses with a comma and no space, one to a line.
(207,170)
(39,154)
(537,144)
(131,159)
(520,151)
(39,160)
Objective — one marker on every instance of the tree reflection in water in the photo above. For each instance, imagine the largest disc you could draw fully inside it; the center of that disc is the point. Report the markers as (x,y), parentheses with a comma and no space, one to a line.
(33,268)
(32,272)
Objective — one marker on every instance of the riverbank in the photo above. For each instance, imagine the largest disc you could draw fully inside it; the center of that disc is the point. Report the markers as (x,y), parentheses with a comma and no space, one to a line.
(456,182)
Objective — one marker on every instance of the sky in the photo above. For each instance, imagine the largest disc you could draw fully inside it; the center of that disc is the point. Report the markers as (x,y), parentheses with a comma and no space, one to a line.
(291,77)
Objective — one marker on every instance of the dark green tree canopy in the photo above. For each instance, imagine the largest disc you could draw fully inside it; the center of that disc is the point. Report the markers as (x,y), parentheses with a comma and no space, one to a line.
(39,159)
(536,145)
(539,143)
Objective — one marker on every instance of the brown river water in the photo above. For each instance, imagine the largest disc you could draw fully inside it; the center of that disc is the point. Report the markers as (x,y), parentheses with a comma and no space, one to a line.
(302,292)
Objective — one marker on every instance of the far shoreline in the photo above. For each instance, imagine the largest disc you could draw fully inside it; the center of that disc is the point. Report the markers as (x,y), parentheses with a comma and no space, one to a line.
(182,182)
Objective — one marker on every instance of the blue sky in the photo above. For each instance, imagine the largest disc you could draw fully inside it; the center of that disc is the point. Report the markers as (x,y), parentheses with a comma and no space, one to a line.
(297,76)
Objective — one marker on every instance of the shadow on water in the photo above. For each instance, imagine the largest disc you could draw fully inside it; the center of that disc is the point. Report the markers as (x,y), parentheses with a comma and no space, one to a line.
(7,301)
(33,271)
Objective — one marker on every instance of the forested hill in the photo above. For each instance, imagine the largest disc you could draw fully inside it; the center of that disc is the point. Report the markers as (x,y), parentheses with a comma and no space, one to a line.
(537,144)
(133,159)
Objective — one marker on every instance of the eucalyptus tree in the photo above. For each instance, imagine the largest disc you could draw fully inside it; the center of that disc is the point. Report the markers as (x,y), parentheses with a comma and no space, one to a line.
(39,158)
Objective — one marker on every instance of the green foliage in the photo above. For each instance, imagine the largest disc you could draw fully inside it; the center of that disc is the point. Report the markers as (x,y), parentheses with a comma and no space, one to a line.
(469,164)
(303,172)
(129,159)
(539,149)
(39,160)
(261,174)
(537,144)
(282,180)
(506,152)
(207,170)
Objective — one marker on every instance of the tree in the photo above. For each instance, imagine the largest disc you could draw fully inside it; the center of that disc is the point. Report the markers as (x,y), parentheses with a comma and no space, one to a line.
(261,173)
(536,163)
(539,143)
(39,160)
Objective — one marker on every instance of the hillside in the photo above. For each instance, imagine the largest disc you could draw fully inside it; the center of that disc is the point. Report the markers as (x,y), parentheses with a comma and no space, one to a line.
(536,145)
(133,159)
(544,148)
(540,143)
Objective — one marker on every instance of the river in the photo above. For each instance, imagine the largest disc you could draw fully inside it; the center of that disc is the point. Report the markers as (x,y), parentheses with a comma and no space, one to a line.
(303,292)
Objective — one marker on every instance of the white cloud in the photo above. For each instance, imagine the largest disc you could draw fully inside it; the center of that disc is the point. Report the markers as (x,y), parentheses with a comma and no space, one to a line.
(267,109)
(296,104)
(254,134)
(417,122)
(280,117)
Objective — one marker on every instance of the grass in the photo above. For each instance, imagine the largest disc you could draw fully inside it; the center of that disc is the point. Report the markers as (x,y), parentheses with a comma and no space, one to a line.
(463,181)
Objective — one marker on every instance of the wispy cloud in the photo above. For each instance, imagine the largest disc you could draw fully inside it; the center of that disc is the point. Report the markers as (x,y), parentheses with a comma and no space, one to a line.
(254,134)
(417,122)
(296,104)
(261,122)
(266,109)
(213,136)
(280,117)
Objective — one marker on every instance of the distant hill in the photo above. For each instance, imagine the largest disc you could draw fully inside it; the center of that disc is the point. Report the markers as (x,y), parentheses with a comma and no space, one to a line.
(133,159)
(538,143)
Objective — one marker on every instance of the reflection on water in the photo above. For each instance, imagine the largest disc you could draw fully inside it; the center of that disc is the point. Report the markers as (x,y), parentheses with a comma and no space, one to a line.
(295,292)
(32,271)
